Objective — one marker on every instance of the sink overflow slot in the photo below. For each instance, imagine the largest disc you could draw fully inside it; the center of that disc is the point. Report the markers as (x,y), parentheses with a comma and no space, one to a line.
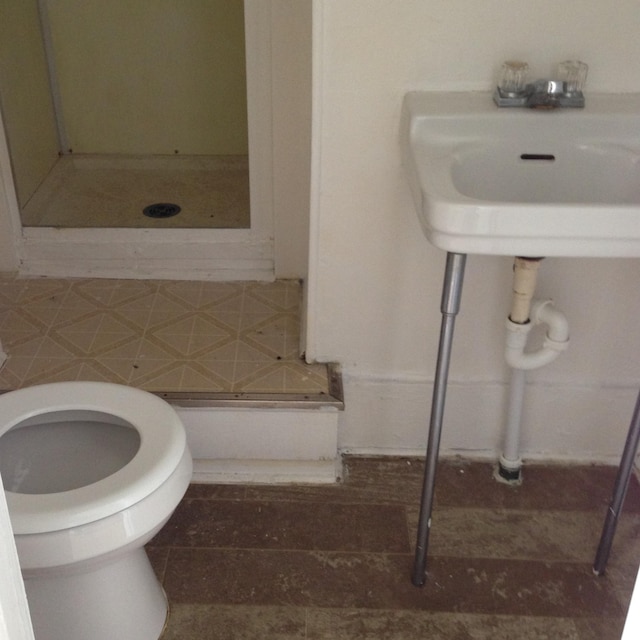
(547,157)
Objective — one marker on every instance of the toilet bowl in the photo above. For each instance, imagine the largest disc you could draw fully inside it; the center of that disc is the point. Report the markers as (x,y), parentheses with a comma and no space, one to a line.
(91,472)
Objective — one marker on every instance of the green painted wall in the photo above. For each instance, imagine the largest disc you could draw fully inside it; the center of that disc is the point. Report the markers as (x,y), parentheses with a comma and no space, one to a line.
(152,76)
(27,109)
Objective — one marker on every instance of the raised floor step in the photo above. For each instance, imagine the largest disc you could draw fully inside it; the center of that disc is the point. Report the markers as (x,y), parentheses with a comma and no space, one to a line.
(226,355)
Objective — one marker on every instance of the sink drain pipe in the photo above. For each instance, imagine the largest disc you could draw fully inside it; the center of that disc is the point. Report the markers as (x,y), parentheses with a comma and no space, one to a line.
(525,314)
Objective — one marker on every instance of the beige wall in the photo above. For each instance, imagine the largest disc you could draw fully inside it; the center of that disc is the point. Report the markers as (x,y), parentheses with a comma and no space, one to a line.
(375,279)
(142,76)
(24,96)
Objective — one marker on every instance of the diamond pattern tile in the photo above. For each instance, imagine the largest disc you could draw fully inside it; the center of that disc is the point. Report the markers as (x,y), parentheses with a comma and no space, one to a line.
(158,335)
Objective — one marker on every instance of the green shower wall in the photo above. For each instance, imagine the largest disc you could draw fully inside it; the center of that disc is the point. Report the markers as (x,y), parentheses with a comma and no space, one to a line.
(27,109)
(151,76)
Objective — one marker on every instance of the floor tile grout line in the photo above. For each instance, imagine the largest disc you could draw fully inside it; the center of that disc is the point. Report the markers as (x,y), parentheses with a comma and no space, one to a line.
(390,553)
(248,496)
(251,498)
(236,355)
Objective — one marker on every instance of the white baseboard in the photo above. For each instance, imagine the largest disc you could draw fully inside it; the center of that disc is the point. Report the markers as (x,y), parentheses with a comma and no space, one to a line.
(560,421)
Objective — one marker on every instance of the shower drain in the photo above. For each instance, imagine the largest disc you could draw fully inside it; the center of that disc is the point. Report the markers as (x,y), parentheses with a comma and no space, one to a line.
(161,210)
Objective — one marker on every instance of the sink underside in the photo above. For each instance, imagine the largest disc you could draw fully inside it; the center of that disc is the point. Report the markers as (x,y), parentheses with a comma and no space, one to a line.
(524,182)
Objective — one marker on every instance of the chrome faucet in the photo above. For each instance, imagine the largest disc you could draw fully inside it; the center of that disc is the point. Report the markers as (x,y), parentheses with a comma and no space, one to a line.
(566,91)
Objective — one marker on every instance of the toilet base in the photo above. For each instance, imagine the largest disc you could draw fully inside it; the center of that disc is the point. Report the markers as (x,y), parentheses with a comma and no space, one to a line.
(120,599)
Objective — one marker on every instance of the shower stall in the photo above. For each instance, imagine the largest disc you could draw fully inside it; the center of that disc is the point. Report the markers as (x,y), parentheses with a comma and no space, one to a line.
(138,134)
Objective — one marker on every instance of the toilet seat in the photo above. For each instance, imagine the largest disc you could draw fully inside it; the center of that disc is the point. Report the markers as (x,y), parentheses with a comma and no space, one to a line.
(162,446)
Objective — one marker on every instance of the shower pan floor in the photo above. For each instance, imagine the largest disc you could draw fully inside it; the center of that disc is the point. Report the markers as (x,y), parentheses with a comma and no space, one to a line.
(161,336)
(98,191)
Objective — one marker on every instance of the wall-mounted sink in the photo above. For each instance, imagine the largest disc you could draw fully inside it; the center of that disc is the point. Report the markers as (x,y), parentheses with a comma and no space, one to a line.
(524,182)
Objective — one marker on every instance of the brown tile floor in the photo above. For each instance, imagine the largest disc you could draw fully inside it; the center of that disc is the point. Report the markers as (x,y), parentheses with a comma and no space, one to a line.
(333,562)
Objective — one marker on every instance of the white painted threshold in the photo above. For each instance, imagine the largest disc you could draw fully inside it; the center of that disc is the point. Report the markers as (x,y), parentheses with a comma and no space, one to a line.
(172,254)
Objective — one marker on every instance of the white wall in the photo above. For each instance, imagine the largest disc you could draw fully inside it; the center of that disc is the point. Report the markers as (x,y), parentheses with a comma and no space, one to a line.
(26,103)
(9,215)
(291,94)
(374,287)
(15,623)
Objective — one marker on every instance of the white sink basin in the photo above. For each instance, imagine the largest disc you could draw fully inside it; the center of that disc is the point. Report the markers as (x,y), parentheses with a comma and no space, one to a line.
(525,182)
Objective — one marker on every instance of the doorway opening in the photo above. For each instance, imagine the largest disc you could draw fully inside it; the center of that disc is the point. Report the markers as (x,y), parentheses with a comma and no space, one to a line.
(166,249)
(128,103)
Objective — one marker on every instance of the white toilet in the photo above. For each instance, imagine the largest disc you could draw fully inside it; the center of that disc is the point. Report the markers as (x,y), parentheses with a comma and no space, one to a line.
(91,472)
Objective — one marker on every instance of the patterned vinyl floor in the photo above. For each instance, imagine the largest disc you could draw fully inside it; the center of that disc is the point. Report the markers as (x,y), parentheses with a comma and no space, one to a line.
(168,336)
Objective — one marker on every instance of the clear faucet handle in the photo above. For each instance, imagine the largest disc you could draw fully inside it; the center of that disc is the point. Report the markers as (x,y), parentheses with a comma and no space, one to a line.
(513,77)
(574,74)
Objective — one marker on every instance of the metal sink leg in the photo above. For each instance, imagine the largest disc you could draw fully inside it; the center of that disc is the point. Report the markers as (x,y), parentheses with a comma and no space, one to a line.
(619,491)
(450,305)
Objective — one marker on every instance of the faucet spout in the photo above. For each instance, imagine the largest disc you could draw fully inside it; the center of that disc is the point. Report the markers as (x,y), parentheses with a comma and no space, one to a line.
(551,94)
(565,90)
(541,94)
